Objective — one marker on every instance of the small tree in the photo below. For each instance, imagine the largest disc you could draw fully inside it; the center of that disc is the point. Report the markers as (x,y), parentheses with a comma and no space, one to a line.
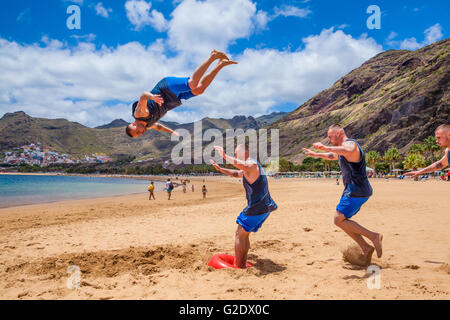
(430,146)
(373,157)
(416,149)
(391,156)
(414,161)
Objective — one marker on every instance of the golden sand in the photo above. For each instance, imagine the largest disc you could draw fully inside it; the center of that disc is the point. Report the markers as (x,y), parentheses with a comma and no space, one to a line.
(131,248)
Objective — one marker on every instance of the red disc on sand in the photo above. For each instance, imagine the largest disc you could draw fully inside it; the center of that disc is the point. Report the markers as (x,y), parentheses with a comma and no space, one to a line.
(220,261)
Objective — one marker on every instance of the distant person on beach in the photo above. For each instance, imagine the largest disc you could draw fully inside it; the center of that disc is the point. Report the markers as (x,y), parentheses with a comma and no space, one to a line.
(169,188)
(442,135)
(204,191)
(183,183)
(167,95)
(357,190)
(150,189)
(337,181)
(192,187)
(260,203)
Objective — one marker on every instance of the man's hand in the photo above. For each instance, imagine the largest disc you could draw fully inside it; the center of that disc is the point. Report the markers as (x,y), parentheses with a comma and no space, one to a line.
(220,151)
(214,164)
(175,133)
(309,152)
(158,99)
(319,146)
(413,174)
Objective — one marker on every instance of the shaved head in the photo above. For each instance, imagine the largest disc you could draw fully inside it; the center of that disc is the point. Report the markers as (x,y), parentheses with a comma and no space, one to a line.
(442,135)
(444,127)
(336,135)
(336,127)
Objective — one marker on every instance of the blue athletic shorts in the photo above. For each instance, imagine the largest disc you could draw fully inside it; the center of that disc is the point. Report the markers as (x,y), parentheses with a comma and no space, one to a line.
(350,206)
(251,223)
(180,87)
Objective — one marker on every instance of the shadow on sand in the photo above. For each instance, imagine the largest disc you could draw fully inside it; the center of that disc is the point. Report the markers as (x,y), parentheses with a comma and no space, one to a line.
(265,266)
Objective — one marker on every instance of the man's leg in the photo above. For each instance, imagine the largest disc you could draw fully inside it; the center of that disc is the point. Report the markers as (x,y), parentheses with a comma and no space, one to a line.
(241,246)
(356,231)
(208,78)
(201,69)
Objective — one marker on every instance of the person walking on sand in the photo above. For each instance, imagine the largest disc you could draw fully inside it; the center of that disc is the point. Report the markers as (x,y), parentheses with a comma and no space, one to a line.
(183,183)
(192,187)
(167,95)
(204,191)
(169,188)
(260,203)
(357,187)
(151,189)
(442,135)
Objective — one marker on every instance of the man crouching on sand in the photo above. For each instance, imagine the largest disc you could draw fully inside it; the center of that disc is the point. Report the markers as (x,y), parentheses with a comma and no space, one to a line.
(260,203)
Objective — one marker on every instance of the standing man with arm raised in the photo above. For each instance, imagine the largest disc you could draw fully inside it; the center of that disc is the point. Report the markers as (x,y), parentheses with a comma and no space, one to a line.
(260,203)
(357,187)
(442,135)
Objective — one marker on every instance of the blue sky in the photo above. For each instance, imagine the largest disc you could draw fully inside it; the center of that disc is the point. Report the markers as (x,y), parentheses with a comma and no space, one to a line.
(288,51)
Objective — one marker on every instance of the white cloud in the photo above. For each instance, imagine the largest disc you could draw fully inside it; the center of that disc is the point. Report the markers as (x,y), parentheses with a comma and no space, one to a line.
(139,14)
(432,34)
(95,86)
(24,16)
(392,35)
(102,11)
(291,11)
(87,38)
(80,2)
(197,26)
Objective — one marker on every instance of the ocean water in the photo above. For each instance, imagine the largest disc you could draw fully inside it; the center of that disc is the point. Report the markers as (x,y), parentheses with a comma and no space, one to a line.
(29,189)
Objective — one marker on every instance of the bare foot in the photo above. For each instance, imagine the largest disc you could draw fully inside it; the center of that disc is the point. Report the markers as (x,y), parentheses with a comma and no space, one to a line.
(378,246)
(216,54)
(224,63)
(368,255)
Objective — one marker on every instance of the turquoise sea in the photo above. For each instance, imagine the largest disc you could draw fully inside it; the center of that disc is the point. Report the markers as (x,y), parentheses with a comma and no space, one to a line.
(29,189)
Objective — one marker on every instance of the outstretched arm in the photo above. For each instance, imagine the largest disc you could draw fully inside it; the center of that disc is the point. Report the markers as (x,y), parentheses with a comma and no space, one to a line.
(228,172)
(347,149)
(323,155)
(438,165)
(245,165)
(159,127)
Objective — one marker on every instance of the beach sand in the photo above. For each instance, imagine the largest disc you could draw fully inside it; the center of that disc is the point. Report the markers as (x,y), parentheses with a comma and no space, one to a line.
(131,248)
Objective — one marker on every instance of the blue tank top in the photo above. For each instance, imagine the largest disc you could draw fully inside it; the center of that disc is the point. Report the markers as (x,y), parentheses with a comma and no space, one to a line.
(355,177)
(156,111)
(258,196)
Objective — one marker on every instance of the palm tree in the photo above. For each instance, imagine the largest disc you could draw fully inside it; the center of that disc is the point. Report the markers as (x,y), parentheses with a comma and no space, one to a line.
(414,161)
(416,148)
(373,157)
(430,146)
(327,164)
(391,156)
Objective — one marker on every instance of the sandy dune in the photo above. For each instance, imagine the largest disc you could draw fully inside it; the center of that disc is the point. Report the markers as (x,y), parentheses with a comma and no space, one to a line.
(131,248)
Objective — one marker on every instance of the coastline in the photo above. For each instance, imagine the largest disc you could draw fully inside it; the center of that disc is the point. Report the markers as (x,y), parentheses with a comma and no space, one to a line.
(161,179)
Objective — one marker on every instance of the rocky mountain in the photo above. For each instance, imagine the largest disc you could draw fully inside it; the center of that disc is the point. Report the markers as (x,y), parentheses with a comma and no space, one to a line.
(114,124)
(397,98)
(18,129)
